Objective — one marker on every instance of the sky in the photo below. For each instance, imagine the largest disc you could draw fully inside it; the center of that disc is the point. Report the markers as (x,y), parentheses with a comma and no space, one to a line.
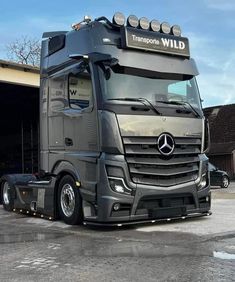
(209,25)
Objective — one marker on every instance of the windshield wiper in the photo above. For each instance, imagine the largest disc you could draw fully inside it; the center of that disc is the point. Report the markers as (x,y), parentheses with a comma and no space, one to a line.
(141,100)
(183,103)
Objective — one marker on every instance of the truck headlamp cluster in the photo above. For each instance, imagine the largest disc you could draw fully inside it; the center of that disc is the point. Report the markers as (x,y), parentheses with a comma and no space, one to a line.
(145,24)
(118,185)
(119,19)
(204,181)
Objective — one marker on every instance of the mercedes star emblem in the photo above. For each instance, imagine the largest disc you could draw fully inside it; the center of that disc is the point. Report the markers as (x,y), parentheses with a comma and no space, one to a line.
(165,144)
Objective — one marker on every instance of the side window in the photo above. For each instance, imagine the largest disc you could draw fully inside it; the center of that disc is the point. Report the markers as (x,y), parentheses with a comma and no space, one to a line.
(57,101)
(80,90)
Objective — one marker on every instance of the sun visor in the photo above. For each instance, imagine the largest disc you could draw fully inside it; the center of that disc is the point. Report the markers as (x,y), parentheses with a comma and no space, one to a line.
(158,63)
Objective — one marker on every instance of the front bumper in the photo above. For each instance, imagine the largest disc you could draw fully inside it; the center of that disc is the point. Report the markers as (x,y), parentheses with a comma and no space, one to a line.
(147,203)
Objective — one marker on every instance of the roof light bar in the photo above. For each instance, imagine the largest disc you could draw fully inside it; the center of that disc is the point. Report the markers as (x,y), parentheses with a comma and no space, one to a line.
(176,30)
(132,21)
(155,25)
(165,28)
(119,19)
(144,23)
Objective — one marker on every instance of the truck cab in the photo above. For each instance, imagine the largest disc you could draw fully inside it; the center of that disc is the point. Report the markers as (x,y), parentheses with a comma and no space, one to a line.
(122,132)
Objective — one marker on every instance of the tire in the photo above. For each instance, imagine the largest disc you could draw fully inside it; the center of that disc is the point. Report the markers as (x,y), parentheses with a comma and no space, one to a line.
(225,182)
(69,201)
(6,195)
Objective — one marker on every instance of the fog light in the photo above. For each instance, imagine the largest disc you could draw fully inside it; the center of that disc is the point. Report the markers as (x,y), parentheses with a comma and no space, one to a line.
(116,207)
(118,185)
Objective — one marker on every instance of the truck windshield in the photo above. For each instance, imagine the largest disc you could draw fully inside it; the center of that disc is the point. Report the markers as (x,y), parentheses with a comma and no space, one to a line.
(160,89)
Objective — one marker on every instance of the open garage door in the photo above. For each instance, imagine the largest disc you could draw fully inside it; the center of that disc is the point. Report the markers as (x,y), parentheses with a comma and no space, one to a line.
(19,128)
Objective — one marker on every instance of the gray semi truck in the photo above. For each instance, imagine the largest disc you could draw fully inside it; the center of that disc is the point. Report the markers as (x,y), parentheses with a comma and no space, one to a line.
(122,132)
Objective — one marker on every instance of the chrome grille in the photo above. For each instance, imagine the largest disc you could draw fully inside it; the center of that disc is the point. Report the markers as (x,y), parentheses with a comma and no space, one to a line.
(148,166)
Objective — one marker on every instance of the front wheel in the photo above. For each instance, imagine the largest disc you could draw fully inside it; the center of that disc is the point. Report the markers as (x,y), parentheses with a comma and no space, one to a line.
(225,182)
(69,201)
(7,200)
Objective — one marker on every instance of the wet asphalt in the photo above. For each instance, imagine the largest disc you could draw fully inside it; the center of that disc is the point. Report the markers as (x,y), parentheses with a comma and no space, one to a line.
(202,249)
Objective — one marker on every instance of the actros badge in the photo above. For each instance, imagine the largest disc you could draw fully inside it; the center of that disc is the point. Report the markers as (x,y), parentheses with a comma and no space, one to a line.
(166,144)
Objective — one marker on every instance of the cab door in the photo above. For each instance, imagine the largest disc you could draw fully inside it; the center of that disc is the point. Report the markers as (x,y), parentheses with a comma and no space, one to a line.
(80,118)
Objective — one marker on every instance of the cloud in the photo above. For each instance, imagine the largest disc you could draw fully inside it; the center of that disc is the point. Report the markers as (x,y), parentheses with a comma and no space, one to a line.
(216,91)
(216,66)
(222,5)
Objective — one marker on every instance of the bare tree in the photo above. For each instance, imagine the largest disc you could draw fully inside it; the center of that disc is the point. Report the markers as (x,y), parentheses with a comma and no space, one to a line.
(24,50)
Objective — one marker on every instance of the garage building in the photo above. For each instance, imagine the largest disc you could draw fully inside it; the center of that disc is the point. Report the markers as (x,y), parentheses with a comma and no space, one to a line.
(222,132)
(19,118)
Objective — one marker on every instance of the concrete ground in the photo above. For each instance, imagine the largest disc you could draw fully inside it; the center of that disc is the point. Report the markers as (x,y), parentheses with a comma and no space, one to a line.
(202,249)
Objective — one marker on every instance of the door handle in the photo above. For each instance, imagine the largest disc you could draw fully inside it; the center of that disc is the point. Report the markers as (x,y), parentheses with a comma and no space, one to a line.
(68,141)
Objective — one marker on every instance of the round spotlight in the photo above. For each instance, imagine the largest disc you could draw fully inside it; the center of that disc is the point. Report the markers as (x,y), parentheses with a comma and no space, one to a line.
(155,25)
(119,19)
(116,206)
(132,21)
(176,30)
(144,23)
(165,28)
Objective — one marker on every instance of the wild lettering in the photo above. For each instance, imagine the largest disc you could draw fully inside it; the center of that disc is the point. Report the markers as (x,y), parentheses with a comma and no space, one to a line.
(171,43)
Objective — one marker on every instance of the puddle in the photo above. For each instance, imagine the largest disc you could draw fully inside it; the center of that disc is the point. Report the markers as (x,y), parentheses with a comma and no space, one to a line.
(28,237)
(223,255)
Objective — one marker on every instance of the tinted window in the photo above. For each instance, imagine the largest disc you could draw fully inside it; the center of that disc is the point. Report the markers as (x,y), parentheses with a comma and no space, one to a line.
(80,90)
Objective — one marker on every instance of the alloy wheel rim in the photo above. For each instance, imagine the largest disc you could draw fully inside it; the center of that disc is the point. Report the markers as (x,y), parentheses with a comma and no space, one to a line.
(67,200)
(225,182)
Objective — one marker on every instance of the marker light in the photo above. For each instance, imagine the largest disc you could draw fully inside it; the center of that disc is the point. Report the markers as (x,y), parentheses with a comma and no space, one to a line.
(155,25)
(119,19)
(144,23)
(165,28)
(132,21)
(176,30)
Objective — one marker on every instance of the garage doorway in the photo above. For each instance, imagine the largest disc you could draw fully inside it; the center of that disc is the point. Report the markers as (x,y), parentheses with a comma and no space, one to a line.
(19,129)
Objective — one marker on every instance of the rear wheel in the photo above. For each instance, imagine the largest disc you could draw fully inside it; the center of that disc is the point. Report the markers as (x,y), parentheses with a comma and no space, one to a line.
(225,182)
(7,200)
(69,201)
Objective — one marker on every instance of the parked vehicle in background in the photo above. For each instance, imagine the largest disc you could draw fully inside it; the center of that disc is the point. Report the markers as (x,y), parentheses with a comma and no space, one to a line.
(218,177)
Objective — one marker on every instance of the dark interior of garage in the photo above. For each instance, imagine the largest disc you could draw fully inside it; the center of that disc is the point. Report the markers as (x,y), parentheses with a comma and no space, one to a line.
(19,123)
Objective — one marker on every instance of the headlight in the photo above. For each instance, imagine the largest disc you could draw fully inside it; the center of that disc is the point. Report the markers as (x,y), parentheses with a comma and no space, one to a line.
(118,185)
(204,181)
